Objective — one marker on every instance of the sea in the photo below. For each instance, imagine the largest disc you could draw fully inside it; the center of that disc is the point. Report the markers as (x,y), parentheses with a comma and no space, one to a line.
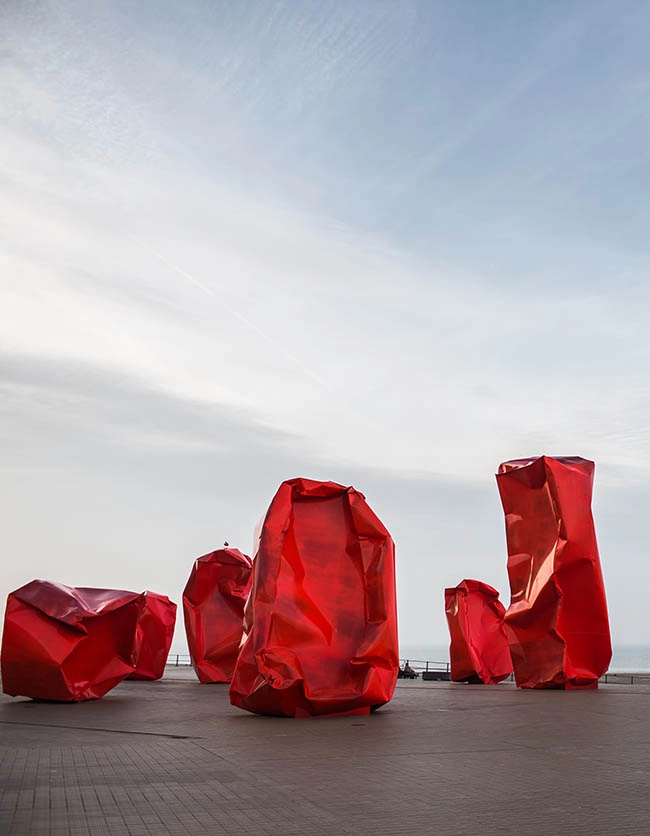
(625,658)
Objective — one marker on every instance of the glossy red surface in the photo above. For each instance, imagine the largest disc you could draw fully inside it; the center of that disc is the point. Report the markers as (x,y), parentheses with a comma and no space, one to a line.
(213,606)
(557,622)
(154,636)
(479,649)
(66,644)
(322,613)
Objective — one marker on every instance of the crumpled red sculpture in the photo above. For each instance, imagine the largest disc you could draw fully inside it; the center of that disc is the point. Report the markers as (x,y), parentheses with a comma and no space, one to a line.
(66,644)
(557,622)
(154,636)
(322,614)
(213,606)
(479,649)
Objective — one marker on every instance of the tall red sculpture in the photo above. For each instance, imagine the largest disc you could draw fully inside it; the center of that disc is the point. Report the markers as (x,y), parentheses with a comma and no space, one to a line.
(557,622)
(154,636)
(479,649)
(213,606)
(66,644)
(322,614)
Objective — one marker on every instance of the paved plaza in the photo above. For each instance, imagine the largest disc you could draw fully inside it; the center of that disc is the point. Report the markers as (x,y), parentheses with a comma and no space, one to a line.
(173,757)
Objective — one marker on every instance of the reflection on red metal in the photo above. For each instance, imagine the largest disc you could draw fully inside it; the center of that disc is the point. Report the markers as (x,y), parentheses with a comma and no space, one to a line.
(479,649)
(557,621)
(66,644)
(322,613)
(154,636)
(213,606)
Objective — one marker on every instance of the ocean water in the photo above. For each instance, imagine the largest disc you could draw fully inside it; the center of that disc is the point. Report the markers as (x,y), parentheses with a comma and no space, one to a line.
(625,658)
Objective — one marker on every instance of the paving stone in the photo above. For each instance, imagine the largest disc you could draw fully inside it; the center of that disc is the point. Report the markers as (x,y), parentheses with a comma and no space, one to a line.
(173,757)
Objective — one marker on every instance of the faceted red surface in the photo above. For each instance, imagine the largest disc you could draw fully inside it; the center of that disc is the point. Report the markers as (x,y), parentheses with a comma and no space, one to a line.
(479,649)
(154,636)
(557,622)
(66,644)
(322,613)
(213,606)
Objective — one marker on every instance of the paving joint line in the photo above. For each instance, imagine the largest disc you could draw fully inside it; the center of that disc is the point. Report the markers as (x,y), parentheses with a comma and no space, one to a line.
(106,731)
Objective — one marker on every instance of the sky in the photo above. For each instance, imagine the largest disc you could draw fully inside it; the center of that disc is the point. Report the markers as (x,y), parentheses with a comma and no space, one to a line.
(388,243)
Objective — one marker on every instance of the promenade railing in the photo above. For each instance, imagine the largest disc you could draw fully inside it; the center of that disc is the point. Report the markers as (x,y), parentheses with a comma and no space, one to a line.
(179,660)
(182,660)
(420,666)
(425,665)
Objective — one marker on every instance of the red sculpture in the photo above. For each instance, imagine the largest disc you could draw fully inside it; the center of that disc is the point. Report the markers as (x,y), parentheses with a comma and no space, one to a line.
(479,649)
(213,606)
(322,614)
(154,636)
(557,621)
(66,644)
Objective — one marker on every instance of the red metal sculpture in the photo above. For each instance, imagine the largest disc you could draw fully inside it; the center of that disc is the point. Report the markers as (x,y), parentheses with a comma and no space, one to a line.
(557,622)
(479,649)
(154,636)
(322,614)
(66,644)
(213,606)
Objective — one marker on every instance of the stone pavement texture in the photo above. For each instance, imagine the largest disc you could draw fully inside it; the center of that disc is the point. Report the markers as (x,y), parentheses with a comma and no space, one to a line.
(173,757)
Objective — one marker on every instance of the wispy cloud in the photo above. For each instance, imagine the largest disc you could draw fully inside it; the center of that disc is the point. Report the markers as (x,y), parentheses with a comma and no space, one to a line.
(385,242)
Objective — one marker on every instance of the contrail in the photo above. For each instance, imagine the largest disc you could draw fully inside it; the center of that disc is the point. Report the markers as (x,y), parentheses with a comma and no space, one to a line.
(235,313)
(341,400)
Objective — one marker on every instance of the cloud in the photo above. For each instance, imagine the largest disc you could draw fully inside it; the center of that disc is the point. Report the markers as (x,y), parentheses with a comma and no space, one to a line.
(70,405)
(249,306)
(111,483)
(379,245)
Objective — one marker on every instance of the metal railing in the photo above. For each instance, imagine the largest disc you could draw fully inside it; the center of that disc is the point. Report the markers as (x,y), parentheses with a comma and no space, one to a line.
(178,660)
(424,665)
(420,666)
(623,678)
